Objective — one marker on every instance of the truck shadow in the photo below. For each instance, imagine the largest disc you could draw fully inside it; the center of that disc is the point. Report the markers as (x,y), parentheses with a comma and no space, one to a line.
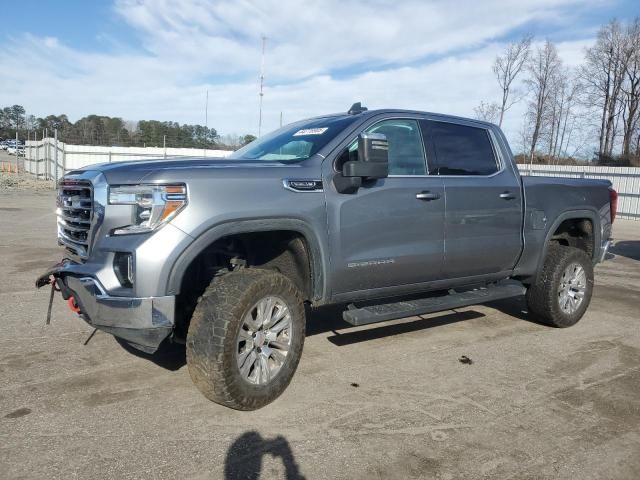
(172,356)
(516,307)
(388,330)
(332,321)
(244,457)
(629,249)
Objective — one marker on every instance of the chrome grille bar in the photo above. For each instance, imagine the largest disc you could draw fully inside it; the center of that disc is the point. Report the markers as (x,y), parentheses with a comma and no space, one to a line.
(72,219)
(75,216)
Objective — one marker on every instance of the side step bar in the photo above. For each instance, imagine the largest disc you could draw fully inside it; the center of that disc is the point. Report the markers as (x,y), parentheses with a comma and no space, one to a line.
(409,308)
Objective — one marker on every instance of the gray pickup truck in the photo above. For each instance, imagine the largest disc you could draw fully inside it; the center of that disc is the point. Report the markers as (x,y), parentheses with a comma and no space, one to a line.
(391,213)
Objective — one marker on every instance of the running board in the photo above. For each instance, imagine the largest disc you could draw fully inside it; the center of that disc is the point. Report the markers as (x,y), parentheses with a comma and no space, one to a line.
(409,308)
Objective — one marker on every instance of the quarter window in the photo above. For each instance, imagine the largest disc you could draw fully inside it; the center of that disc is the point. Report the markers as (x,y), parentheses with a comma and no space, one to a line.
(462,150)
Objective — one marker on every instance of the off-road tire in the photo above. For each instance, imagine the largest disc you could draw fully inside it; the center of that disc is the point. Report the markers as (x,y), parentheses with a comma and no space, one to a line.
(212,337)
(542,296)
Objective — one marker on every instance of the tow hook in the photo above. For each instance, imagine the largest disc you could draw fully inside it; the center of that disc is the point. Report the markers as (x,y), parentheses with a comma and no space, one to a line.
(54,277)
(73,306)
(51,280)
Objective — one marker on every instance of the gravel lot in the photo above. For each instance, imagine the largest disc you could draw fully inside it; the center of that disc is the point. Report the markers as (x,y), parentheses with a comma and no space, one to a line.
(385,401)
(13,182)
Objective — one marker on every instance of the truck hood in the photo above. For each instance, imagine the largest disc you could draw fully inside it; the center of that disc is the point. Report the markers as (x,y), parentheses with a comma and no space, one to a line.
(155,170)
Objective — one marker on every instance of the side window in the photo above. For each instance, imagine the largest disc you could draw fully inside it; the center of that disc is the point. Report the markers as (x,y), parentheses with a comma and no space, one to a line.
(406,152)
(462,150)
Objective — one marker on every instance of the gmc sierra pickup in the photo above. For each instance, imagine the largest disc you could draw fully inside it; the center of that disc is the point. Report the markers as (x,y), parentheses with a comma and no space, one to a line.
(392,213)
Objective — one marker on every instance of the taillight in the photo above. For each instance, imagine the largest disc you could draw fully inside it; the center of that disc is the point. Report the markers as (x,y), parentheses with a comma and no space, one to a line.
(613,202)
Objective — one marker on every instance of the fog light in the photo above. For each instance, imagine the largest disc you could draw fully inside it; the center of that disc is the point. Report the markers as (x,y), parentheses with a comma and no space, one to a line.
(123,268)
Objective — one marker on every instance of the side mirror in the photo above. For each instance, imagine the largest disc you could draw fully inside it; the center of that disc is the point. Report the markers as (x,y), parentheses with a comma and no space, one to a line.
(373,158)
(372,163)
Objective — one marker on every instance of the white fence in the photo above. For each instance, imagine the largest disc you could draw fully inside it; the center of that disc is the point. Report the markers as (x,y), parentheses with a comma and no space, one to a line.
(49,160)
(626,181)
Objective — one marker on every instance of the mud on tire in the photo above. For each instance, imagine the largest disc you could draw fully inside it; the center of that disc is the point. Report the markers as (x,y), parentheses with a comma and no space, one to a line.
(215,330)
(544,298)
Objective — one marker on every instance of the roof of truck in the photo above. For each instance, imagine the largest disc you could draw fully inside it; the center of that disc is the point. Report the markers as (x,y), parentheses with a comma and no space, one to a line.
(440,116)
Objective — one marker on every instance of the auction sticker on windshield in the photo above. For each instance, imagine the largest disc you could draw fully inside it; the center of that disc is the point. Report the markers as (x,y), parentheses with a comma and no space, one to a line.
(310,131)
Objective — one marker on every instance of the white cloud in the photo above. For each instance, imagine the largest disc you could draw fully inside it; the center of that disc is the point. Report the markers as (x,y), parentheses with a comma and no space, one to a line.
(315,37)
(419,55)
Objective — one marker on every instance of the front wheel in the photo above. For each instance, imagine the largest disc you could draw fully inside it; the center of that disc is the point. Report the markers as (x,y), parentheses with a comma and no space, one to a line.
(246,337)
(563,289)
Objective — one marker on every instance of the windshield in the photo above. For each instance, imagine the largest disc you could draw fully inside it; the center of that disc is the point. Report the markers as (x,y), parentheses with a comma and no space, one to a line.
(294,142)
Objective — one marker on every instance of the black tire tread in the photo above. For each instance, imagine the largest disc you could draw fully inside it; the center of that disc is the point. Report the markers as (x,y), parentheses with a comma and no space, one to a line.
(542,297)
(211,337)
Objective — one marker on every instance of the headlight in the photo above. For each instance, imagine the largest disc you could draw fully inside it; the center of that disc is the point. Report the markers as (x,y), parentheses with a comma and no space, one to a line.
(154,205)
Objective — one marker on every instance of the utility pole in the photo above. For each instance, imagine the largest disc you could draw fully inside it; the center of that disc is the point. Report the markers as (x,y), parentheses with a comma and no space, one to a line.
(47,153)
(280,119)
(35,139)
(55,158)
(17,150)
(27,149)
(17,127)
(264,41)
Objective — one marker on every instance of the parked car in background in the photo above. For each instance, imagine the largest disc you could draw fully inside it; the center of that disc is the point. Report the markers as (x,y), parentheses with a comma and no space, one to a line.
(10,142)
(16,149)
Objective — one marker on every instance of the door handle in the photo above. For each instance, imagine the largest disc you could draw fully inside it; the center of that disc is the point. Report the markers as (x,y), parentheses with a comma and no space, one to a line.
(507,196)
(427,196)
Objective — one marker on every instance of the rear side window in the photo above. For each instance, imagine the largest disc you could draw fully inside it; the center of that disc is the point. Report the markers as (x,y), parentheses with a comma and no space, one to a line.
(462,150)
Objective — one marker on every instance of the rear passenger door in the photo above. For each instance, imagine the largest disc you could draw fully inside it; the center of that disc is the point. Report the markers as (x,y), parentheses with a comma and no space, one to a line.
(483,200)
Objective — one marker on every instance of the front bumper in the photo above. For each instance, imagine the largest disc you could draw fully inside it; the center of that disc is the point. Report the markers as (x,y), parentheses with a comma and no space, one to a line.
(142,322)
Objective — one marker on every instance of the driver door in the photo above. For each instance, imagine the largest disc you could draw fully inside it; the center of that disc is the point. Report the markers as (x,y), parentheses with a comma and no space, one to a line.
(388,237)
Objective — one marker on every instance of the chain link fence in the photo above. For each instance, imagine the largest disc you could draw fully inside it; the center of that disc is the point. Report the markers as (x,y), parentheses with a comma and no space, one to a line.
(50,158)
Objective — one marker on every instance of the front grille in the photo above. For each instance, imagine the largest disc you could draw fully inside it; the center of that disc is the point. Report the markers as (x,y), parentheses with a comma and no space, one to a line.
(75,216)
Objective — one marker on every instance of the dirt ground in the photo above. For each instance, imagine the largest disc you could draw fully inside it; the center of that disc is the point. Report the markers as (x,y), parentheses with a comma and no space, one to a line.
(12,182)
(390,400)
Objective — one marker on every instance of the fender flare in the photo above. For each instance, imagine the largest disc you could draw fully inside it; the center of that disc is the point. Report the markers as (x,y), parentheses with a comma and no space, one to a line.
(219,231)
(589,214)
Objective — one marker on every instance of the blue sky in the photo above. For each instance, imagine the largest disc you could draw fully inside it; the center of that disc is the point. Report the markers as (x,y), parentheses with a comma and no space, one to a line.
(155,59)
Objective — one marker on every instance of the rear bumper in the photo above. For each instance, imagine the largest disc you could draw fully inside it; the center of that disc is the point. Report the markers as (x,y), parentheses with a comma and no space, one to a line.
(142,322)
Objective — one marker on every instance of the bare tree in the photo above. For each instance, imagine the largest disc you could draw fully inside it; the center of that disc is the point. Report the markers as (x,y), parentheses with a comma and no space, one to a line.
(555,111)
(543,70)
(524,138)
(631,87)
(559,116)
(507,67)
(487,112)
(603,73)
(567,120)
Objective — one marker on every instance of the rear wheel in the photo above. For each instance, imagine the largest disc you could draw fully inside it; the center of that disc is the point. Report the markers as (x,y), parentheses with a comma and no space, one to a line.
(563,289)
(245,338)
